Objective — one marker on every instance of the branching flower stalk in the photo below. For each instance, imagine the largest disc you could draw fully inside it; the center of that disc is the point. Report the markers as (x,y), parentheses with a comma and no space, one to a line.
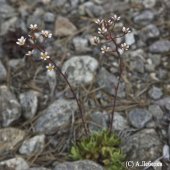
(32,43)
(107,33)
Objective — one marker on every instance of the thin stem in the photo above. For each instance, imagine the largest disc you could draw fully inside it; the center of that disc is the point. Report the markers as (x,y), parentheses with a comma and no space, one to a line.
(117,86)
(65,78)
(78,103)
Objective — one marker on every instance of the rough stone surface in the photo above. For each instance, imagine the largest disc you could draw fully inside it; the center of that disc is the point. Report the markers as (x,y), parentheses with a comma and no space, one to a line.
(108,81)
(3,72)
(91,9)
(160,46)
(156,111)
(130,38)
(163,102)
(139,117)
(119,122)
(7,25)
(9,138)
(56,115)
(144,145)
(17,163)
(6,11)
(100,120)
(58,3)
(29,104)
(143,18)
(149,32)
(80,44)
(79,165)
(10,110)
(64,27)
(33,145)
(80,69)
(39,168)
(137,65)
(155,93)
(149,3)
(49,17)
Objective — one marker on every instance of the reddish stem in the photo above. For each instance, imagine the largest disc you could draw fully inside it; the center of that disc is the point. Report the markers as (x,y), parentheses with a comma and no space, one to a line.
(65,78)
(117,86)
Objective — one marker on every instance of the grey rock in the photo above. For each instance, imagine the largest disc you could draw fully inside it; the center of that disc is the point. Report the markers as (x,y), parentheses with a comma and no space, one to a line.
(80,44)
(79,165)
(64,27)
(9,138)
(144,18)
(100,120)
(7,25)
(167,106)
(156,59)
(160,46)
(162,73)
(3,72)
(156,111)
(56,115)
(29,104)
(137,65)
(139,117)
(144,145)
(74,3)
(166,152)
(130,38)
(10,109)
(168,134)
(33,145)
(80,69)
(14,63)
(149,3)
(91,9)
(149,32)
(108,81)
(49,17)
(39,168)
(119,122)
(17,163)
(155,93)
(58,3)
(6,11)
(163,102)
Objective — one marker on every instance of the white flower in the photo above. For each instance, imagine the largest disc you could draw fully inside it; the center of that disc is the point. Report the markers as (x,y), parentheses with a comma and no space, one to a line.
(99,21)
(104,49)
(46,34)
(21,41)
(33,27)
(96,40)
(125,30)
(29,53)
(124,46)
(102,30)
(50,67)
(110,22)
(44,56)
(115,18)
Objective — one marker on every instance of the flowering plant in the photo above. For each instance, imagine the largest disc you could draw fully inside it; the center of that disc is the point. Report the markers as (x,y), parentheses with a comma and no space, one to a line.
(97,147)
(106,34)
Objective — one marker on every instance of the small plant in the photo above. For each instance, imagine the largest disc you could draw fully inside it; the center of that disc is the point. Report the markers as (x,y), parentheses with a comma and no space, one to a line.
(100,147)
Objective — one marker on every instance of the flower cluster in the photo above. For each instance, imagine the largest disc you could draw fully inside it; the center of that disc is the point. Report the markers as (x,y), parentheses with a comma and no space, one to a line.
(32,44)
(106,32)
